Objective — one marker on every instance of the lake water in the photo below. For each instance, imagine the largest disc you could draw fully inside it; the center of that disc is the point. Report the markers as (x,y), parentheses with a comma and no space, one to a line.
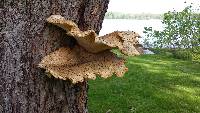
(110,25)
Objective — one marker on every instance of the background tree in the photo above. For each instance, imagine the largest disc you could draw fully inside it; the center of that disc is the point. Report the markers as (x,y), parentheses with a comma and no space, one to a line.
(180,36)
(181,30)
(25,38)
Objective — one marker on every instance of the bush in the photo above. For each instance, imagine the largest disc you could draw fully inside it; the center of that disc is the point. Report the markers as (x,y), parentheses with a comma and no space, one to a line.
(196,54)
(182,54)
(196,57)
(165,51)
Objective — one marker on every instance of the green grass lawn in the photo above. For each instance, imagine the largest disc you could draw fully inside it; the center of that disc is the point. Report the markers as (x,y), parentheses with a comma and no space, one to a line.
(153,84)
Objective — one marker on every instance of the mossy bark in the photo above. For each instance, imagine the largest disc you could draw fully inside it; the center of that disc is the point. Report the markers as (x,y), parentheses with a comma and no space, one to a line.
(25,38)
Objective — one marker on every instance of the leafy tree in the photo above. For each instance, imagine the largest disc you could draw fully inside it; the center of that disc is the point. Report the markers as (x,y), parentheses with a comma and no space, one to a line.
(181,30)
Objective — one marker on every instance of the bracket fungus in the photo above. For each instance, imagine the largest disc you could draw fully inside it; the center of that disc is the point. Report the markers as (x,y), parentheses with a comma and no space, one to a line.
(91,56)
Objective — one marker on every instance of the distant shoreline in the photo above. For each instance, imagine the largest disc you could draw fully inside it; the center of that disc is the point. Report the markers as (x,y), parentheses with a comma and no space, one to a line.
(142,16)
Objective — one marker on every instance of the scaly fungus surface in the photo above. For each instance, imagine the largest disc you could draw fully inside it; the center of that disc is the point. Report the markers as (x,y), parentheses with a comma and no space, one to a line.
(77,63)
(91,56)
(125,41)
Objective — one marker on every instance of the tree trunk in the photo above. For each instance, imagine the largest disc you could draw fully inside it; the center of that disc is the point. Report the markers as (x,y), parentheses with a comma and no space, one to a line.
(25,38)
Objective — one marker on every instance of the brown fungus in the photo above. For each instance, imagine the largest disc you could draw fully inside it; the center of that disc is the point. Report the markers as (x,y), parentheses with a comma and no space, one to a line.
(125,41)
(77,64)
(91,56)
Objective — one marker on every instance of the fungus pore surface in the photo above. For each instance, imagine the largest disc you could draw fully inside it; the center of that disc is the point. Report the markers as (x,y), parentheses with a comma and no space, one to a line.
(91,56)
(78,64)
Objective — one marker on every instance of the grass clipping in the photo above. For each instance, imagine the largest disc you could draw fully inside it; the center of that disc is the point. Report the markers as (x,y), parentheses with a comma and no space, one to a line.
(91,56)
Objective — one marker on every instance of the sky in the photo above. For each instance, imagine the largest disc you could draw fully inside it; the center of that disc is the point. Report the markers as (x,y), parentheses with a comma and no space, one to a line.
(149,6)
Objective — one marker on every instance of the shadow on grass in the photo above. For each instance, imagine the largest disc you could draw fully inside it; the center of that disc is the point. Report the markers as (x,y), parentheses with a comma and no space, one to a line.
(153,84)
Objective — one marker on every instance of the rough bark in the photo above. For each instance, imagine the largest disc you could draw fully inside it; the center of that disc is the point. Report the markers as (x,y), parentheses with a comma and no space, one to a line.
(25,38)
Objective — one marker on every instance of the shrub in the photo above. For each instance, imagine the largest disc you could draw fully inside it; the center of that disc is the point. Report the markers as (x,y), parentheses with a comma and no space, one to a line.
(182,54)
(196,57)
(165,51)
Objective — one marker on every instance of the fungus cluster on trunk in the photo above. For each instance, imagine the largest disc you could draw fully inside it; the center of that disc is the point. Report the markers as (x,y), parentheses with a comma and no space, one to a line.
(91,55)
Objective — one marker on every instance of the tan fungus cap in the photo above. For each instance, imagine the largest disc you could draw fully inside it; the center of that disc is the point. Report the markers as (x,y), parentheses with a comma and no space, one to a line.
(77,64)
(125,41)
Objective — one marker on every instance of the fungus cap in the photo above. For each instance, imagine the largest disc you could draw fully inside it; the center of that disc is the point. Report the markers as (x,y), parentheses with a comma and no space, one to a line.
(125,41)
(77,64)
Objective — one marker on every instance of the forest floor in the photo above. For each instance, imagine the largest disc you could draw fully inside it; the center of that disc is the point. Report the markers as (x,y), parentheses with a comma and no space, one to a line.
(153,84)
